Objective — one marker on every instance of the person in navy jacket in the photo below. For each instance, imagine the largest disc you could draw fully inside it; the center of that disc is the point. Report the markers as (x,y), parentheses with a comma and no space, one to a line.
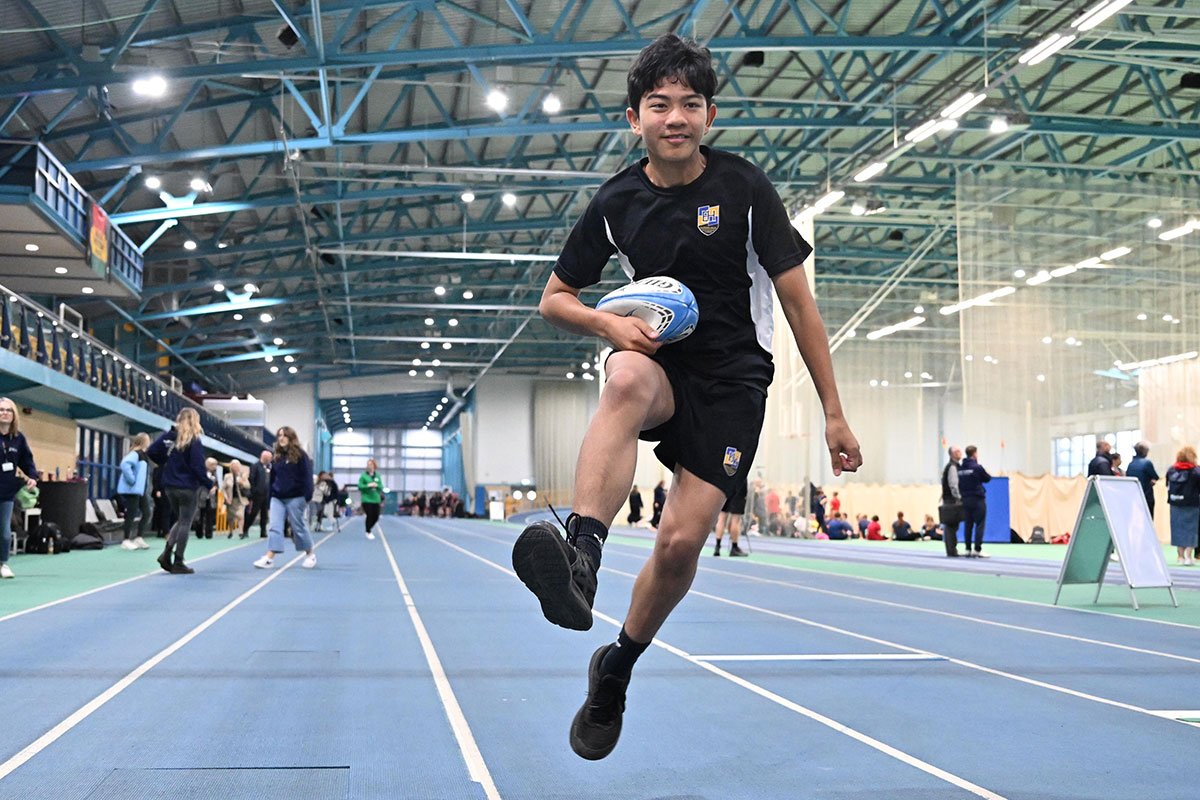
(14,455)
(291,492)
(134,488)
(183,479)
(971,478)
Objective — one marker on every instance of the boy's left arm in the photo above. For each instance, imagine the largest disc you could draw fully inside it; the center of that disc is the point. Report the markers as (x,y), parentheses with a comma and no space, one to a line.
(808,329)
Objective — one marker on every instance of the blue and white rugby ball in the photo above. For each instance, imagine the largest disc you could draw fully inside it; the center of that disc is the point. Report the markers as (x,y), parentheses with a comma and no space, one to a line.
(665,304)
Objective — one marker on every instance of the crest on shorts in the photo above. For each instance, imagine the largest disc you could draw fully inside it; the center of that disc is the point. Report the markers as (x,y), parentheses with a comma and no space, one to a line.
(708,219)
(733,457)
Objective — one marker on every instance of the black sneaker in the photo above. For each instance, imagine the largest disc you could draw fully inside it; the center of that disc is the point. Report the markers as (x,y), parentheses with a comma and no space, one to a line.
(717,550)
(597,724)
(563,578)
(180,568)
(164,560)
(737,551)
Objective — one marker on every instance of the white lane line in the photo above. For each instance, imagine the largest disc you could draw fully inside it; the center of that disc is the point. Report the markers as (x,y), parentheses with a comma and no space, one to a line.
(823,657)
(952,615)
(118,583)
(476,767)
(858,736)
(52,735)
(646,544)
(884,642)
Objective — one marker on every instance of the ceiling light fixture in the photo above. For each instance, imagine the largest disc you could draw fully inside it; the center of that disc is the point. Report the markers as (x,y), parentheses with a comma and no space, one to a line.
(963,104)
(999,125)
(509,199)
(153,182)
(1045,48)
(1098,13)
(899,326)
(497,100)
(150,86)
(468,196)
(870,171)
(551,105)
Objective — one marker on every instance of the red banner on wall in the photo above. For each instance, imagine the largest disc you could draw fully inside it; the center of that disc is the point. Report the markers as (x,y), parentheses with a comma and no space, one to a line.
(98,241)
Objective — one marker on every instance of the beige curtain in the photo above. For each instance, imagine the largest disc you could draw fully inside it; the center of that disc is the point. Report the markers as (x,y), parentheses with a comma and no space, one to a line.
(561,413)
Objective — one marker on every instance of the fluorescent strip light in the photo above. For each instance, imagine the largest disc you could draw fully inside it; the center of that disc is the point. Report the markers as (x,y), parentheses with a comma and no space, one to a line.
(1037,48)
(899,326)
(1098,14)
(828,200)
(1039,279)
(922,132)
(870,171)
(1155,362)
(1175,233)
(963,104)
(1116,252)
(1061,271)
(982,299)
(1088,262)
(1050,49)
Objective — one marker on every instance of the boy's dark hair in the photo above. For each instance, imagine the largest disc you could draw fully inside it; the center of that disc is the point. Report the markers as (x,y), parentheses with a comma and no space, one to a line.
(670,57)
(971,451)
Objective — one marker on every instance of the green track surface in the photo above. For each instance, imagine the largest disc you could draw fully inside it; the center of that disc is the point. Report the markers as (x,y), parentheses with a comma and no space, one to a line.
(46,578)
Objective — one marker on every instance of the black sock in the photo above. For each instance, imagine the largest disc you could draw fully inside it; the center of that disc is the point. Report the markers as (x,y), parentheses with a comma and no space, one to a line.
(620,659)
(589,535)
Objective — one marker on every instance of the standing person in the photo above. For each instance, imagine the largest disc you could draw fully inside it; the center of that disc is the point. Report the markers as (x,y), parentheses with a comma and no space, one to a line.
(660,500)
(730,519)
(329,504)
(835,504)
(235,489)
(1183,495)
(1101,463)
(291,492)
(971,478)
(1116,465)
(791,503)
(702,398)
(950,512)
(773,508)
(260,493)
(1143,469)
(818,509)
(206,511)
(133,486)
(635,506)
(320,487)
(370,487)
(420,511)
(184,480)
(16,457)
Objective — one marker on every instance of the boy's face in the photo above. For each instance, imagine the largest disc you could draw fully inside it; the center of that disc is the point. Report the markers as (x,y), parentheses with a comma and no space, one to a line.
(672,119)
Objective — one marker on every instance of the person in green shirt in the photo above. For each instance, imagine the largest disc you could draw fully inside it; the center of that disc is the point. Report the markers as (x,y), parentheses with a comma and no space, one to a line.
(370,486)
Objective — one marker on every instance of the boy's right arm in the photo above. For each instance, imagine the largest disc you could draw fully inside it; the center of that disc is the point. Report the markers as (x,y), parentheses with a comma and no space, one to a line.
(562,308)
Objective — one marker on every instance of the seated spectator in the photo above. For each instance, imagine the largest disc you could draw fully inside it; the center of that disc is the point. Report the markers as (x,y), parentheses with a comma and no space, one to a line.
(863,524)
(931,530)
(902,531)
(839,528)
(875,530)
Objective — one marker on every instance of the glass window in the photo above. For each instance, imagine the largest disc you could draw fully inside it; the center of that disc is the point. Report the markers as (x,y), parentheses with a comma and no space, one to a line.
(408,459)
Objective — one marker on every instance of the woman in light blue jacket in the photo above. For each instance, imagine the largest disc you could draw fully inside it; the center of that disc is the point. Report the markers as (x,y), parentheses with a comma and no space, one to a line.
(134,490)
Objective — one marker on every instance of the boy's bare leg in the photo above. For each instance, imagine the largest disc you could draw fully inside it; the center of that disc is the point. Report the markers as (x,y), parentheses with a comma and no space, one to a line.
(691,509)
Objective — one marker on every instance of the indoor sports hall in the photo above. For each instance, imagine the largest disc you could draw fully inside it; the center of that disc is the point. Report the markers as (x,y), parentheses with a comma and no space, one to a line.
(319,329)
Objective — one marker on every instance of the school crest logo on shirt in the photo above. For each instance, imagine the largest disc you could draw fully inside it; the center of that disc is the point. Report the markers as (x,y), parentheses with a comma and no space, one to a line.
(733,457)
(708,219)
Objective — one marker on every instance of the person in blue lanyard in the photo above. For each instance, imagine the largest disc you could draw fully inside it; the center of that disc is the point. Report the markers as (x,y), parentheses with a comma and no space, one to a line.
(16,470)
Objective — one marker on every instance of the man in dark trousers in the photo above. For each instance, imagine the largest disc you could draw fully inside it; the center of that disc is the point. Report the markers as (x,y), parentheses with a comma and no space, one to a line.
(951,509)
(260,490)
(1143,469)
(1102,463)
(971,478)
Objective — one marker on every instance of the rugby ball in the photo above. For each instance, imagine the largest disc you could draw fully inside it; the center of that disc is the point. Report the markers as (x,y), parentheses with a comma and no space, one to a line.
(665,304)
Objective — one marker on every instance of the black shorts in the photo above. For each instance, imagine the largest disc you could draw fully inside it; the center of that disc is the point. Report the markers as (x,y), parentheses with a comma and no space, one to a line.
(736,504)
(714,431)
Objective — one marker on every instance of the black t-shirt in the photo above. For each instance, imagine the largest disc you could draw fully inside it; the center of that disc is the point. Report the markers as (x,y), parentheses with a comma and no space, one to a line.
(724,236)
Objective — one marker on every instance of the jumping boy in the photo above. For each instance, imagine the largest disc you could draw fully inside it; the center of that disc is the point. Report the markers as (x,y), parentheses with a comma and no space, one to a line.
(714,222)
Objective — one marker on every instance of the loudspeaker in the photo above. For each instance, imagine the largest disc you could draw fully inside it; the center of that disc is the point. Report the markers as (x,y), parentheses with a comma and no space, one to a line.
(753,58)
(287,36)
(1189,80)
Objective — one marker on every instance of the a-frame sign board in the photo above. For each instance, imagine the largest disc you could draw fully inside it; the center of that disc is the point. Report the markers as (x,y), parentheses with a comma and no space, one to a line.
(1114,516)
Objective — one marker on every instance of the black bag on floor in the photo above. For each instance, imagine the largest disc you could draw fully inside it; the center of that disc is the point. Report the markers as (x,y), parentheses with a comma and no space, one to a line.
(86,541)
(39,539)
